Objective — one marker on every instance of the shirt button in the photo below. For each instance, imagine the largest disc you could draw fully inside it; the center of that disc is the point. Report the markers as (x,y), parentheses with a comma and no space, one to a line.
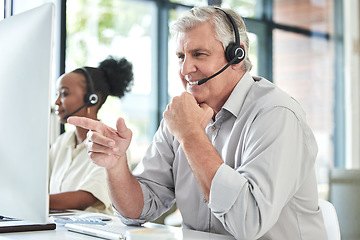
(213,128)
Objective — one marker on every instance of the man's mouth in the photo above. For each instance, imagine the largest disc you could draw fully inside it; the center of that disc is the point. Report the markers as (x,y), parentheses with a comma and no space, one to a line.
(188,79)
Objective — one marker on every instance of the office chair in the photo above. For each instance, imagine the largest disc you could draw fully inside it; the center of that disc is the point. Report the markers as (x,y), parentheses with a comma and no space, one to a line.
(330,220)
(344,194)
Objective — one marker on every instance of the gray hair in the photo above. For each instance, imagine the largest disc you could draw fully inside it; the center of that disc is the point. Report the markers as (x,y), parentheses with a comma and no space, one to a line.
(222,25)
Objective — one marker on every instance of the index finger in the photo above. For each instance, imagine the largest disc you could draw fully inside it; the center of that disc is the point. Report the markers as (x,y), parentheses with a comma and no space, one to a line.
(84,123)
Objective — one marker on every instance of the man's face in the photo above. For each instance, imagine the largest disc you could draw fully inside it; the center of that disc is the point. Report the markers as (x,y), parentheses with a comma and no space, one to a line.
(201,55)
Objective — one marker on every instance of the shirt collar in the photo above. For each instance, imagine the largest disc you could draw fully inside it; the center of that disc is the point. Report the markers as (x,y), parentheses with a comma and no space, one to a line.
(70,143)
(237,97)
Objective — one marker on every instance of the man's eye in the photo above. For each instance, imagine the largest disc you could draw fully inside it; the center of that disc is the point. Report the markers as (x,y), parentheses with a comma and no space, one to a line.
(199,54)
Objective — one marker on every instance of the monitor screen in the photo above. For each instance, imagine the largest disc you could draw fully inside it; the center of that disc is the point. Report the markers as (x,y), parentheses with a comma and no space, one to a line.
(25,75)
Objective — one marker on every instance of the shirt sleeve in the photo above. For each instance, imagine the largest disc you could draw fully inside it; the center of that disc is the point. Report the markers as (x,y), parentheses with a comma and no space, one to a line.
(222,185)
(278,154)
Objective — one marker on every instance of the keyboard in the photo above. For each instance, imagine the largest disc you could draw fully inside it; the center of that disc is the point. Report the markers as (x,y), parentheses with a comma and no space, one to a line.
(77,219)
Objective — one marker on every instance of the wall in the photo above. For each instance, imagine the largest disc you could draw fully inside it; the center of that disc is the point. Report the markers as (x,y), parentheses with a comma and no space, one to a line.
(352,81)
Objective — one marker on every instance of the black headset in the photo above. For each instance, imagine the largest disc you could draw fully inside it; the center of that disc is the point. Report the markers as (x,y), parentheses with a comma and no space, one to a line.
(234,50)
(91,98)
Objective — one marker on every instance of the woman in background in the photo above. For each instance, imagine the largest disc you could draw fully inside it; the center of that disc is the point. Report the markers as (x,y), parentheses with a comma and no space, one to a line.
(76,182)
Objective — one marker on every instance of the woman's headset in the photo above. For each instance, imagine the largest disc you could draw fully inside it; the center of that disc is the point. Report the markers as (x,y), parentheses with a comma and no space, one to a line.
(91,98)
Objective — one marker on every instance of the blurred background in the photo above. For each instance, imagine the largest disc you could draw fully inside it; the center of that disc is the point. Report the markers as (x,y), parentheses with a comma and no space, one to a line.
(309,48)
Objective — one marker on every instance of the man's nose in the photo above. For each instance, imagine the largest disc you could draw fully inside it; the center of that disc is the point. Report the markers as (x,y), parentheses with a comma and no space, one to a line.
(188,66)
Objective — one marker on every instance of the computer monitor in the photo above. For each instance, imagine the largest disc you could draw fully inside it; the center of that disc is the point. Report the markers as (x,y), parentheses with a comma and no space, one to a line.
(25,75)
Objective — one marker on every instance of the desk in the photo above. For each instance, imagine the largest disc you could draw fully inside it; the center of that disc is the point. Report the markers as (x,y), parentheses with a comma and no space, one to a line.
(61,233)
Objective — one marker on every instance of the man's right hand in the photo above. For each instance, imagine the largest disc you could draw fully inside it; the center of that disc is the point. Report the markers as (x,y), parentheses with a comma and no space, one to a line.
(106,146)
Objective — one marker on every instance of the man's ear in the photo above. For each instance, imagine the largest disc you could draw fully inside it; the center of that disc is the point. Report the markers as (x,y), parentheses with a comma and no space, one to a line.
(239,65)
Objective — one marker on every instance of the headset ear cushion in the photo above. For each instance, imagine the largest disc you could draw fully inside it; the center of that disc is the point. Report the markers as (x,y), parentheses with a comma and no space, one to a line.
(232,50)
(91,99)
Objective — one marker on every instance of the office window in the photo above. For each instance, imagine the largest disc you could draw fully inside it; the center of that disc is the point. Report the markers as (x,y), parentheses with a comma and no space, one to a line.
(191,2)
(175,86)
(2,10)
(314,15)
(98,29)
(246,8)
(303,66)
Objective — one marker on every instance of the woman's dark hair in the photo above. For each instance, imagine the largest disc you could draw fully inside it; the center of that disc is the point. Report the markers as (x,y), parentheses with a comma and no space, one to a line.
(112,77)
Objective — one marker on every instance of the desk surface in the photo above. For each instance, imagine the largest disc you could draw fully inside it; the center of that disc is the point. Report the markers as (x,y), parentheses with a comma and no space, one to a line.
(61,233)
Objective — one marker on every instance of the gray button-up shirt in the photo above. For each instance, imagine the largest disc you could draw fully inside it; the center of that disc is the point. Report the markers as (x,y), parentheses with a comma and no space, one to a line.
(266,188)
